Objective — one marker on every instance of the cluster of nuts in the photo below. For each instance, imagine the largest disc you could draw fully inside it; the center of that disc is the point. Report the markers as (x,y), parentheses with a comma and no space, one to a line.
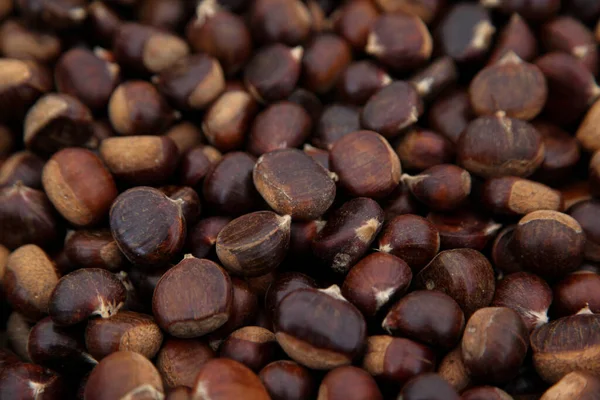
(299,199)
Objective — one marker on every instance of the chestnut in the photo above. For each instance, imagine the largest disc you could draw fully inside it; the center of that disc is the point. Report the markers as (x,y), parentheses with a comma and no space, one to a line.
(464,228)
(537,11)
(397,360)
(222,379)
(502,255)
(307,100)
(442,187)
(284,284)
(302,235)
(428,386)
(56,121)
(167,15)
(466,275)
(450,114)
(549,243)
(57,15)
(427,10)
(562,154)
(24,43)
(365,164)
(334,122)
(435,78)
(494,344)
(421,149)
(254,244)
(186,137)
(527,294)
(493,146)
(17,334)
(353,20)
(392,109)
(124,331)
(137,108)
(202,237)
(375,281)
(282,21)
(94,249)
(29,280)
(348,233)
(577,292)
(574,385)
(412,238)
(244,309)
(124,374)
(452,369)
(431,317)
(195,164)
(148,226)
(276,179)
(24,167)
(179,361)
(191,83)
(199,309)
(79,185)
(273,72)
(485,393)
(585,213)
(349,382)
(324,59)
(401,202)
(87,77)
(252,346)
(86,293)
(319,328)
(59,348)
(388,41)
(565,345)
(103,22)
(361,79)
(517,37)
(518,196)
(190,201)
(228,119)
(31,381)
(281,125)
(145,49)
(221,34)
(287,380)
(510,85)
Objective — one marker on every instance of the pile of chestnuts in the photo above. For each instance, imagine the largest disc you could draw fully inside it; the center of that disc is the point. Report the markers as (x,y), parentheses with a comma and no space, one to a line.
(299,199)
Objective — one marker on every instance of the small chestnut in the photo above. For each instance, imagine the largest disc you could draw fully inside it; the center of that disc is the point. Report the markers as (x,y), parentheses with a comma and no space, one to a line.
(517,196)
(464,228)
(349,383)
(94,249)
(287,380)
(442,187)
(252,346)
(179,361)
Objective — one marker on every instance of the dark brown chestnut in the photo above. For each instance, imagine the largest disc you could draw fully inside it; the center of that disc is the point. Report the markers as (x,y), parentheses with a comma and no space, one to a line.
(202,237)
(396,360)
(562,154)
(102,22)
(334,122)
(284,284)
(244,310)
(323,61)
(293,184)
(223,379)
(193,298)
(536,11)
(30,381)
(420,149)
(353,20)
(412,238)
(435,78)
(392,109)
(179,361)
(350,383)
(502,255)
(319,328)
(565,345)
(252,346)
(450,114)
(86,293)
(56,15)
(494,344)
(124,374)
(24,167)
(375,281)
(189,199)
(124,331)
(254,244)
(348,234)
(365,164)
(282,21)
(464,228)
(527,294)
(28,282)
(361,79)
(464,274)
(586,213)
(430,386)
(517,37)
(575,293)
(431,317)
(549,243)
(442,187)
(148,226)
(94,249)
(287,380)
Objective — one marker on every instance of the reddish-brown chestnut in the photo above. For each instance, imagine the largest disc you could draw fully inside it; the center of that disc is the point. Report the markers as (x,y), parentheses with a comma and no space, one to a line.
(349,383)
(224,379)
(287,380)
(252,346)
(442,187)
(577,292)
(179,361)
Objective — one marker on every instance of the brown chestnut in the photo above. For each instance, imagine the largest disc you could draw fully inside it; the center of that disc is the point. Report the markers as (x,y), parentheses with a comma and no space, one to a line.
(575,293)
(420,149)
(202,237)
(435,78)
(365,164)
(148,226)
(284,284)
(254,244)
(179,361)
(348,233)
(122,375)
(86,293)
(375,281)
(349,383)
(442,187)
(586,213)
(429,386)
(334,122)
(293,184)
(412,238)
(527,294)
(431,317)
(396,360)
(319,328)
(464,228)
(282,21)
(494,344)
(287,380)
(450,114)
(252,346)
(31,381)
(566,345)
(517,37)
(202,307)
(353,20)
(562,154)
(361,79)
(94,249)
(323,61)
(20,41)
(575,385)
(24,167)
(464,274)
(186,137)
(549,243)
(189,199)
(124,331)
(29,281)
